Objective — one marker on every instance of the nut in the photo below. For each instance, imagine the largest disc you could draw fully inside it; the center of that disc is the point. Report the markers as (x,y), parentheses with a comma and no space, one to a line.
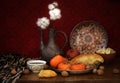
(64,73)
(101,67)
(100,72)
(116,71)
(94,70)
(88,66)
(26,71)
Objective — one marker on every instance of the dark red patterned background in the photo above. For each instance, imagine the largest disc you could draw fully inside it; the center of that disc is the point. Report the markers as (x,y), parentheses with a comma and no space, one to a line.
(19,32)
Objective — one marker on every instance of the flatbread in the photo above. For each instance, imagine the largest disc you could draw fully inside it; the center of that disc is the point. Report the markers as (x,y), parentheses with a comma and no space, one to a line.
(87,59)
(47,73)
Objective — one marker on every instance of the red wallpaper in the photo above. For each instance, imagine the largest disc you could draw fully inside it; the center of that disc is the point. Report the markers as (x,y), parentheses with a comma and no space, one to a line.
(18,29)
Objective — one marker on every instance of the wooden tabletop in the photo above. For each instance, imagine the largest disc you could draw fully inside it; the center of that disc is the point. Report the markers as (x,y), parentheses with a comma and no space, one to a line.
(108,77)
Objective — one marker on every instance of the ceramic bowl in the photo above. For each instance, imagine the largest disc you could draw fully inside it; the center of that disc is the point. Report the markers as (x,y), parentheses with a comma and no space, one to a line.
(36,65)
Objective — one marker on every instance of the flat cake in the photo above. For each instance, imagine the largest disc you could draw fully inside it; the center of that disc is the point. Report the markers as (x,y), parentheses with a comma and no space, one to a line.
(87,59)
(47,73)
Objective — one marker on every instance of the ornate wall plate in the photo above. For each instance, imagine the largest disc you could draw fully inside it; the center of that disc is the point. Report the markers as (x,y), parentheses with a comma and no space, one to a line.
(88,37)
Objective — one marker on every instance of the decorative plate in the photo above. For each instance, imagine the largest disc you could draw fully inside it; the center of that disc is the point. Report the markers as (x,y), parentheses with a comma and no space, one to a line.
(88,37)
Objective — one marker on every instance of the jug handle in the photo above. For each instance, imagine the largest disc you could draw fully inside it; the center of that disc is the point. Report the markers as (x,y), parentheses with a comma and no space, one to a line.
(66,40)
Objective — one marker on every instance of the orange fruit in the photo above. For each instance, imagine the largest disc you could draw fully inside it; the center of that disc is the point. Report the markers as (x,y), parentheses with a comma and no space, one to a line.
(56,60)
(63,65)
(78,66)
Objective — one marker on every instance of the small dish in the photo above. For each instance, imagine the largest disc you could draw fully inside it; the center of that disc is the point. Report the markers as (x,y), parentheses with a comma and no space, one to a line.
(36,65)
(108,58)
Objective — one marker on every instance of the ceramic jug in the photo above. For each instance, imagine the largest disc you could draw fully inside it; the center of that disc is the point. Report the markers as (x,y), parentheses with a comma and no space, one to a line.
(51,49)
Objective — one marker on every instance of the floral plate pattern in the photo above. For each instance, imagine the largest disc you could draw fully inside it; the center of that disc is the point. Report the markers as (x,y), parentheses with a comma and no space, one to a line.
(88,37)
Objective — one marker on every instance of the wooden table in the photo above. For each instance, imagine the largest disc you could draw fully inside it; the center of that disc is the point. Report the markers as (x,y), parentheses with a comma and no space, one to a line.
(108,77)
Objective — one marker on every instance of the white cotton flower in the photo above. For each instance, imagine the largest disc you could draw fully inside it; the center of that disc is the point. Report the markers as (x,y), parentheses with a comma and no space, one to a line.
(55,17)
(55,3)
(52,6)
(55,14)
(43,22)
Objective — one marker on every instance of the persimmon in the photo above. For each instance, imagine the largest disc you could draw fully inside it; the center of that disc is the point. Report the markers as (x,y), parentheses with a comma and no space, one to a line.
(63,65)
(78,66)
(56,60)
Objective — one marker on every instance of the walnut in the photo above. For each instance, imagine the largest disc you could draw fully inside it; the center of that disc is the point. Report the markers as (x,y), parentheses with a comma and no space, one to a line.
(64,73)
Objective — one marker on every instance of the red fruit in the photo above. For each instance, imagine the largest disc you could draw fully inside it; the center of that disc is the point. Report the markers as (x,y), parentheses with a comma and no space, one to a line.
(72,53)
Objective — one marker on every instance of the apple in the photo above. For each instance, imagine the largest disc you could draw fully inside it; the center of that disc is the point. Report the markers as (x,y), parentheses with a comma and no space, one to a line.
(71,53)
